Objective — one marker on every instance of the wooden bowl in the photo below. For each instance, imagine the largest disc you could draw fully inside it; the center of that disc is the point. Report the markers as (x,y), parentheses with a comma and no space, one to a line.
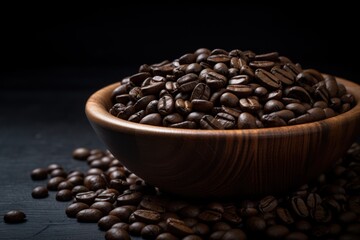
(225,163)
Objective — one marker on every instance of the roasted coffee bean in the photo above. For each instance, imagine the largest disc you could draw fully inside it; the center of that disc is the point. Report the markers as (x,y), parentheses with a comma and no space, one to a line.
(172,119)
(226,120)
(64,195)
(104,207)
(187,82)
(131,198)
(136,227)
(284,215)
(218,58)
(14,216)
(296,108)
(40,192)
(210,216)
(117,234)
(348,217)
(89,215)
(272,120)
(229,99)
(220,226)
(313,200)
(166,236)
(239,80)
(65,185)
(139,77)
(121,225)
(273,106)
(201,105)
(86,197)
(81,153)
(235,112)
(217,235)
(250,104)
(296,236)
(221,68)
(320,214)
(256,224)
(277,231)
(187,58)
(106,197)
(193,68)
(122,213)
(234,234)
(147,216)
(246,121)
(268,204)
(150,231)
(106,222)
(299,207)
(200,91)
(240,91)
(95,182)
(298,92)
(246,70)
(74,208)
(54,182)
(79,189)
(166,105)
(231,217)
(150,204)
(267,79)
(209,122)
(178,227)
(39,174)
(75,180)
(152,119)
(215,80)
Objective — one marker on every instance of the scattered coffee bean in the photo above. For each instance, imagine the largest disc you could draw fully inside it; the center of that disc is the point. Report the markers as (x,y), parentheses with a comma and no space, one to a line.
(39,174)
(328,208)
(14,216)
(40,192)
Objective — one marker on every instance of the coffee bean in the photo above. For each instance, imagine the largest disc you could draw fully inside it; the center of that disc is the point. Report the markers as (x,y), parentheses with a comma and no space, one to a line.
(117,234)
(187,82)
(14,216)
(298,92)
(296,236)
(246,121)
(74,208)
(81,153)
(150,231)
(89,215)
(39,174)
(250,104)
(147,216)
(240,91)
(217,235)
(233,234)
(229,99)
(166,105)
(256,224)
(135,228)
(267,79)
(54,166)
(200,91)
(152,119)
(54,182)
(231,217)
(166,236)
(218,58)
(215,80)
(131,198)
(64,195)
(220,226)
(178,227)
(104,207)
(268,204)
(299,207)
(95,182)
(209,122)
(106,222)
(65,185)
(40,192)
(284,215)
(277,231)
(313,200)
(226,120)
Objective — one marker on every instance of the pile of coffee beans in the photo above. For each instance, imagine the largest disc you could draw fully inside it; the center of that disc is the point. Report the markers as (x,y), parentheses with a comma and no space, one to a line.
(228,90)
(123,205)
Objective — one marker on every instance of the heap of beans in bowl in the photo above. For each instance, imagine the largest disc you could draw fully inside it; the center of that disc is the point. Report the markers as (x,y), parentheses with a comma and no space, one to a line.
(219,89)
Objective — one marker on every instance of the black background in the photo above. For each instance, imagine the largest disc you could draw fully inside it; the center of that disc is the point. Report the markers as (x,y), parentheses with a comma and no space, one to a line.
(54,57)
(90,48)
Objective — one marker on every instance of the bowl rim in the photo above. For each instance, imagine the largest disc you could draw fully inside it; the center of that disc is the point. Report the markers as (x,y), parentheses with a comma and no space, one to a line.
(99,102)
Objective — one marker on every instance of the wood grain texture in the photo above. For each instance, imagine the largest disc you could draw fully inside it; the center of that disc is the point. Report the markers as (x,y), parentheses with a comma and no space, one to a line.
(225,163)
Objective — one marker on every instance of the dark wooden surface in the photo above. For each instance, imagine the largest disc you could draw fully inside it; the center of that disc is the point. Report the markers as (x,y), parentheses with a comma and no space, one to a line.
(38,128)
